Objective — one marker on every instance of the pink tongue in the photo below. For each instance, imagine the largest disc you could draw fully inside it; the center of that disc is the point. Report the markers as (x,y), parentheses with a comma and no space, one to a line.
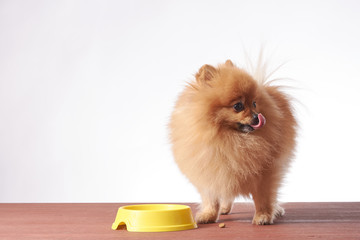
(261,123)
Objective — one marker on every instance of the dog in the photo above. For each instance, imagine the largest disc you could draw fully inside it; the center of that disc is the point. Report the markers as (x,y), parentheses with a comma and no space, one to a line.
(233,135)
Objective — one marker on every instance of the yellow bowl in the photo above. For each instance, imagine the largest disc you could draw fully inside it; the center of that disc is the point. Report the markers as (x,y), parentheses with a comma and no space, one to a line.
(155,218)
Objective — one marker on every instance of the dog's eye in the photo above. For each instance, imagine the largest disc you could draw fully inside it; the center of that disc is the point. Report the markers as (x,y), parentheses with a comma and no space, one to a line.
(238,107)
(254,104)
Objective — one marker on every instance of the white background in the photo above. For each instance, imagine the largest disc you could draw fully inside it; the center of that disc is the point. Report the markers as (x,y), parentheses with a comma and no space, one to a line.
(87,88)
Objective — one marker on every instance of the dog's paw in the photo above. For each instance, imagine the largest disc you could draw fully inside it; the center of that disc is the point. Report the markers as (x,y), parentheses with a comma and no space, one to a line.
(226,205)
(206,217)
(225,210)
(279,212)
(263,219)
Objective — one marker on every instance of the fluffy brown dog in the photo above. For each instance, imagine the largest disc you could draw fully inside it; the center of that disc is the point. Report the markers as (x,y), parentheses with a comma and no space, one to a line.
(231,136)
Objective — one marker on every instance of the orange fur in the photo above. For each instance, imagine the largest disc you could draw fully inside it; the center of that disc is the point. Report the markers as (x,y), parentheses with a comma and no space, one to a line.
(222,161)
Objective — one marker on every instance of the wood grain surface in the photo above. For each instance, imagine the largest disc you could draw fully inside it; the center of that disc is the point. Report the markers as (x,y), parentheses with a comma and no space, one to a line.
(93,221)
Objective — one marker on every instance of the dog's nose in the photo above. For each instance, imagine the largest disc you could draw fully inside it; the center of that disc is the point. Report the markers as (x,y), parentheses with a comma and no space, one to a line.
(255,119)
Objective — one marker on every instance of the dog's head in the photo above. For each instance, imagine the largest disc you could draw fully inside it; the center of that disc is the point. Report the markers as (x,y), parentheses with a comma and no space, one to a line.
(231,97)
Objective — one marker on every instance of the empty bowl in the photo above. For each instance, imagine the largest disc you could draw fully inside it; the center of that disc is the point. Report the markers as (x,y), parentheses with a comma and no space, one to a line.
(154,218)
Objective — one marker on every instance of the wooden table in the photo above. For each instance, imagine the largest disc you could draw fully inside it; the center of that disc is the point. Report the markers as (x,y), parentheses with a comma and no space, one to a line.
(94,220)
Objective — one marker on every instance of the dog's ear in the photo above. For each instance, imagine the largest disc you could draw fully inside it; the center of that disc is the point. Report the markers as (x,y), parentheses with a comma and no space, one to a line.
(205,74)
(229,63)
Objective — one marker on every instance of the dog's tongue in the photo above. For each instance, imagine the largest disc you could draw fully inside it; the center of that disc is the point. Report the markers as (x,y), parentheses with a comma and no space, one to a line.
(261,123)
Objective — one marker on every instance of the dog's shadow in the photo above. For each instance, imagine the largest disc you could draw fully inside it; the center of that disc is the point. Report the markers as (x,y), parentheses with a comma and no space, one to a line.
(237,216)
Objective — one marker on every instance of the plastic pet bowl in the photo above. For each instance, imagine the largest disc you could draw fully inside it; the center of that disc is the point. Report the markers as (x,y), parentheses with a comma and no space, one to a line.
(155,218)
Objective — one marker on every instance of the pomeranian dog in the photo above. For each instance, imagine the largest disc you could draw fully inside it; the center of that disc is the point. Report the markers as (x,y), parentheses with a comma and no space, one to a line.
(233,135)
